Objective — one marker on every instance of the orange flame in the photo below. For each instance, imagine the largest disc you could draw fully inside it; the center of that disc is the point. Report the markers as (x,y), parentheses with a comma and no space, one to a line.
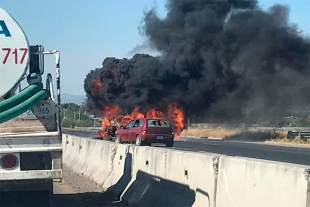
(109,113)
(97,86)
(123,120)
(136,114)
(153,113)
(174,115)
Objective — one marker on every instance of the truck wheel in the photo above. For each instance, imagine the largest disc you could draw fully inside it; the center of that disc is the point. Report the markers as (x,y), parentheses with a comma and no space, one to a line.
(118,139)
(170,143)
(138,140)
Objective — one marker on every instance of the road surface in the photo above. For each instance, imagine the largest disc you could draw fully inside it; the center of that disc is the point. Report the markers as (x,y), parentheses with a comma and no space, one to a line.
(288,154)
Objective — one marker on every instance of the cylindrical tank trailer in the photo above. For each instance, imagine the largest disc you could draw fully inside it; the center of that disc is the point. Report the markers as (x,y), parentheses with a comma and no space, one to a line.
(14,55)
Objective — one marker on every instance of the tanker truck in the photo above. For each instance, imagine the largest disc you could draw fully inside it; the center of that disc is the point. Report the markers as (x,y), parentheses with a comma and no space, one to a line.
(30,124)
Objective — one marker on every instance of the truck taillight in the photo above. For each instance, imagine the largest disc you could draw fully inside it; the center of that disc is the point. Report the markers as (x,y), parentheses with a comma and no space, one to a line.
(9,161)
(144,132)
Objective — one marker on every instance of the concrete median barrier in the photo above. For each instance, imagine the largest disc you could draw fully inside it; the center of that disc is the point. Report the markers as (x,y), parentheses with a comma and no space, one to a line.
(99,165)
(249,182)
(90,158)
(116,161)
(195,170)
(66,149)
(70,152)
(164,177)
(122,169)
(148,166)
(78,163)
(153,176)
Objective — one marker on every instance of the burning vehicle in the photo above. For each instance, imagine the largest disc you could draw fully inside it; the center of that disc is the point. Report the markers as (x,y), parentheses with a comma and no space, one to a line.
(108,133)
(114,121)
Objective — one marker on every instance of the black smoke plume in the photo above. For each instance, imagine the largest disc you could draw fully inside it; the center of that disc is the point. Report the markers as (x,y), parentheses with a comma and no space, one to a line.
(224,59)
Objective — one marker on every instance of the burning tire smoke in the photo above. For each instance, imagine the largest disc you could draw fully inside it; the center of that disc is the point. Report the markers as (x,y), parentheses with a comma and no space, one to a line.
(226,59)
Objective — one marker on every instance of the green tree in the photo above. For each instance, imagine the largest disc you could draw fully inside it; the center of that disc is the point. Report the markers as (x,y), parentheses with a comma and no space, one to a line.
(73,115)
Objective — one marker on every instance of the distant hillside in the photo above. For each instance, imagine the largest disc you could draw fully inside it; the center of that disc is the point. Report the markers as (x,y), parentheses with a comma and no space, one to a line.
(69,98)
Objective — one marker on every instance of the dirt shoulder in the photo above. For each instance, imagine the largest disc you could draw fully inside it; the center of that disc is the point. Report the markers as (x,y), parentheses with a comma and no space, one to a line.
(76,190)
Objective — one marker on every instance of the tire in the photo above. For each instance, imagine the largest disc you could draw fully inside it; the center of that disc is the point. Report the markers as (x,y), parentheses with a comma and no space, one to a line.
(170,143)
(138,140)
(118,139)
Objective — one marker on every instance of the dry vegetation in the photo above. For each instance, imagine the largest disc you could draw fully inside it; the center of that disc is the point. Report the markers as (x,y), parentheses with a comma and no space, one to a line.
(297,141)
(246,135)
(211,132)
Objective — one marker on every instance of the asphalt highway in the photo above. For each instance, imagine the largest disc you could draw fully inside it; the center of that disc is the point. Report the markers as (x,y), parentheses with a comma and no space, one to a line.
(258,150)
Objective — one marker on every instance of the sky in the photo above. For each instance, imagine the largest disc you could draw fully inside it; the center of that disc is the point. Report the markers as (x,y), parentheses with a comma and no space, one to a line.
(86,32)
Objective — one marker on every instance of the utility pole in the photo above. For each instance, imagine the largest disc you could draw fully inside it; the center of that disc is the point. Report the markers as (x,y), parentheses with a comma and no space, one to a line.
(79,115)
(66,113)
